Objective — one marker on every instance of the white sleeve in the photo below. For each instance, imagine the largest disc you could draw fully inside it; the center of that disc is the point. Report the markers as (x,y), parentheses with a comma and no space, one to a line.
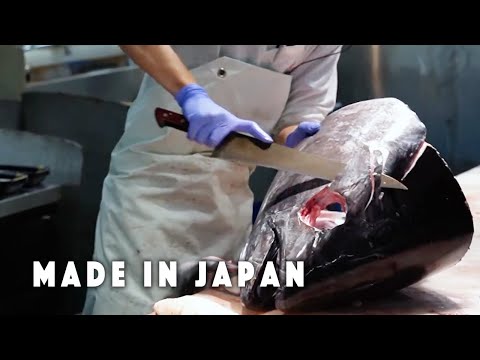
(313,92)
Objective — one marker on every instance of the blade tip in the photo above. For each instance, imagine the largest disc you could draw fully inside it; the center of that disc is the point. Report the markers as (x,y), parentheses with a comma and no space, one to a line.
(395,185)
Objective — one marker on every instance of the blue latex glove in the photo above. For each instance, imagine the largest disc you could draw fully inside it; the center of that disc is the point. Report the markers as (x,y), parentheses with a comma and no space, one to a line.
(303,130)
(209,123)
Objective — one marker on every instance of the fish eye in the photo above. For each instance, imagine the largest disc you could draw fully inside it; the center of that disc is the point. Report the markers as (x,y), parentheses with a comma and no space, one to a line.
(334,207)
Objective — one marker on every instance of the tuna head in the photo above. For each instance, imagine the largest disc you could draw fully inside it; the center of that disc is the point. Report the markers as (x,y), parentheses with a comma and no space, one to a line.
(354,238)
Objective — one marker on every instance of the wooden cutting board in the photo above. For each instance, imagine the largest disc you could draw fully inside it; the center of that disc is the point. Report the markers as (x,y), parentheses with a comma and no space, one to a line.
(455,291)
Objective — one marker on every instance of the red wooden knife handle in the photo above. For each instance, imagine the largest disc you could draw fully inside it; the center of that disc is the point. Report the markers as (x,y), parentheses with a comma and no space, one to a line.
(178,121)
(168,118)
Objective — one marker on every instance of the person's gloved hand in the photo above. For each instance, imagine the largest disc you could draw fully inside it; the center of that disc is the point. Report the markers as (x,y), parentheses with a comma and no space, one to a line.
(303,130)
(209,123)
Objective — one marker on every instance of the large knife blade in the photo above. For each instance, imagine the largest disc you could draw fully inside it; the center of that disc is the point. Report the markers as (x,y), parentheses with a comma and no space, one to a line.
(248,150)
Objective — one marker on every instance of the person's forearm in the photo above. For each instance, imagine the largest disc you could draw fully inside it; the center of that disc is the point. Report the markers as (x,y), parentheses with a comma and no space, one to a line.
(162,64)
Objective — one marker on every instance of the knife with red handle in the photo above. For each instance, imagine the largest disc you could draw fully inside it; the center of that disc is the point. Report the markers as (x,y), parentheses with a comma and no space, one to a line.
(178,121)
(252,151)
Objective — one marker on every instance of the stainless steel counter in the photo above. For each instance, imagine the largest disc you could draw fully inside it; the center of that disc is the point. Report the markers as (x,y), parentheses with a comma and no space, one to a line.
(29,199)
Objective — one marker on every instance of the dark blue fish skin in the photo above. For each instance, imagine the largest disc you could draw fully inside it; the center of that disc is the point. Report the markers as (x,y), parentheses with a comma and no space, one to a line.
(390,238)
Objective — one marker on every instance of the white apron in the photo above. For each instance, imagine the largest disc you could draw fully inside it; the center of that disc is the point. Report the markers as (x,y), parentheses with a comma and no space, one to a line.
(165,199)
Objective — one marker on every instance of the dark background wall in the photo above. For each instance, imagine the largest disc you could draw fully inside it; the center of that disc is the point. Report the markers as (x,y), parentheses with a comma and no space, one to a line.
(439,82)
